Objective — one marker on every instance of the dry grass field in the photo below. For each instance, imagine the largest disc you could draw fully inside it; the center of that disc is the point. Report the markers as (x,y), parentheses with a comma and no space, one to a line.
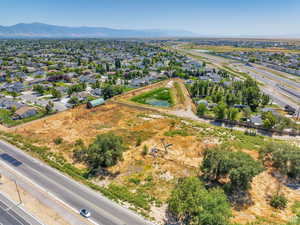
(155,174)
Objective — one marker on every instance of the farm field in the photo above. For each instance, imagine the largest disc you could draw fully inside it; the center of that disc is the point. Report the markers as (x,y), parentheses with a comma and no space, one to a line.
(152,175)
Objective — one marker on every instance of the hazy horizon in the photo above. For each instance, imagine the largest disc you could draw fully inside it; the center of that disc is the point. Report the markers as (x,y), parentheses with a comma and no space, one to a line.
(263,18)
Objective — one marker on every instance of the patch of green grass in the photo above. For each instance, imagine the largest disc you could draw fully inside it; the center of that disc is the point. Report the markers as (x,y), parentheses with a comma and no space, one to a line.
(296,207)
(127,88)
(139,199)
(159,94)
(243,141)
(180,132)
(6,118)
(179,92)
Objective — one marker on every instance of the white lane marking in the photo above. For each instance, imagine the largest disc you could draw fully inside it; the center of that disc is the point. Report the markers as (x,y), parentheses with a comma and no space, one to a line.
(90,191)
(43,189)
(70,180)
(19,206)
(16,218)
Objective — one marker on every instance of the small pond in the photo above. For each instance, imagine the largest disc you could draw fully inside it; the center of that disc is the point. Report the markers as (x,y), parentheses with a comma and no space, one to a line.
(156,102)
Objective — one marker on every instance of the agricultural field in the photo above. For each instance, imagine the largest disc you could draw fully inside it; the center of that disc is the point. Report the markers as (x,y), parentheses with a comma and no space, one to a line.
(159,149)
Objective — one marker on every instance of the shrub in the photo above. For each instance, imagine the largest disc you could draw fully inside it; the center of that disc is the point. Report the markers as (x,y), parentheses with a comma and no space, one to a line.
(58,140)
(138,141)
(79,143)
(278,201)
(145,150)
(134,180)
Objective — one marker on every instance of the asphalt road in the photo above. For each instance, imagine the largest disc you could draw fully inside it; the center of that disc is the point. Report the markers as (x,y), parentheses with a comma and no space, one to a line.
(270,80)
(13,215)
(72,193)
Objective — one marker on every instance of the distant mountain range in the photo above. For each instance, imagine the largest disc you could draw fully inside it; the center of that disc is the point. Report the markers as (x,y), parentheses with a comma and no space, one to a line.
(40,30)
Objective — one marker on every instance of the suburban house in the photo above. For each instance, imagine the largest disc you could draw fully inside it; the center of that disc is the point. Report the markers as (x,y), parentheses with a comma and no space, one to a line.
(81,95)
(256,120)
(24,112)
(97,92)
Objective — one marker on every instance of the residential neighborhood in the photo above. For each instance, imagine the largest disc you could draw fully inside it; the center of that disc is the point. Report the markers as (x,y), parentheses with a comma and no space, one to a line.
(54,75)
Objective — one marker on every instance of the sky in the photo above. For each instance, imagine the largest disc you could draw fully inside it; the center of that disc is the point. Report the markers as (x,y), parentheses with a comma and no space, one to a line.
(204,17)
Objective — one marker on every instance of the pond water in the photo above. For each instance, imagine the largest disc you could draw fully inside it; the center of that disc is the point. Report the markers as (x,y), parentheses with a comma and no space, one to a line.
(156,102)
(203,51)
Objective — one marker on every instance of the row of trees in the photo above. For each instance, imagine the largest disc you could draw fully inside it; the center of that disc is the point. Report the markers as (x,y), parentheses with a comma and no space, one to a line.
(76,88)
(42,90)
(239,92)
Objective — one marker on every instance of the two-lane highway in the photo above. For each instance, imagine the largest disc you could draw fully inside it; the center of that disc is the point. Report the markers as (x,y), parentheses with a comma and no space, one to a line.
(72,193)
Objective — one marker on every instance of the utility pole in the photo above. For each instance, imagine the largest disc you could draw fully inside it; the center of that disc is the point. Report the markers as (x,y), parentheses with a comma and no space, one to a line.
(18,191)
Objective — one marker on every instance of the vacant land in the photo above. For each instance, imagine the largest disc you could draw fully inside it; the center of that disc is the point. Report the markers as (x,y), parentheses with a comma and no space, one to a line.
(149,170)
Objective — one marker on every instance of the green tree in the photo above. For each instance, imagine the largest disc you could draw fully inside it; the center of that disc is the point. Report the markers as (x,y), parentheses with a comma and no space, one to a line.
(49,107)
(105,151)
(269,120)
(14,94)
(111,90)
(39,89)
(220,111)
(56,93)
(201,109)
(278,201)
(265,99)
(220,162)
(117,63)
(247,112)
(192,204)
(13,109)
(232,114)
(74,100)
